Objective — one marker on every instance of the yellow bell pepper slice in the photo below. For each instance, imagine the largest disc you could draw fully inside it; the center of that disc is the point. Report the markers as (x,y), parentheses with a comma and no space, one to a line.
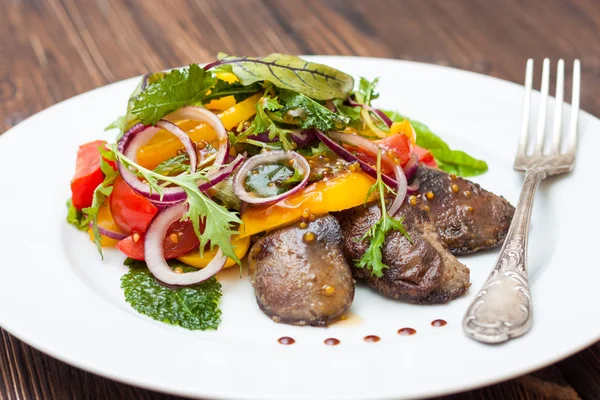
(340,193)
(106,221)
(221,104)
(404,128)
(164,144)
(193,258)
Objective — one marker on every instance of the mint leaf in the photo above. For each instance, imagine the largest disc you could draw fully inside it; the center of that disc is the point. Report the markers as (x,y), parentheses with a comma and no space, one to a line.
(194,308)
(452,161)
(176,89)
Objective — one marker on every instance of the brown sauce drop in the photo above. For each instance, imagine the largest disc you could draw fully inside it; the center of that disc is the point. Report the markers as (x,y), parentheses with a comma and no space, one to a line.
(406,331)
(286,340)
(331,342)
(438,322)
(372,339)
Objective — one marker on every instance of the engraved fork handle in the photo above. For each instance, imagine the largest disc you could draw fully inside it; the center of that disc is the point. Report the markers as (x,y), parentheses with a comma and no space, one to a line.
(502,308)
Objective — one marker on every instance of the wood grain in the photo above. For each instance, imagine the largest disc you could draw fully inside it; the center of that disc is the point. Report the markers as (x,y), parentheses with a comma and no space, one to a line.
(51,50)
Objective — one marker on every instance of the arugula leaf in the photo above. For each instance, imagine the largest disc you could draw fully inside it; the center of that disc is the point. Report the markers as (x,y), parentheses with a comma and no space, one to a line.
(262,122)
(194,308)
(75,217)
(352,114)
(216,220)
(452,161)
(176,89)
(316,115)
(174,165)
(373,258)
(239,91)
(118,123)
(101,192)
(314,80)
(366,91)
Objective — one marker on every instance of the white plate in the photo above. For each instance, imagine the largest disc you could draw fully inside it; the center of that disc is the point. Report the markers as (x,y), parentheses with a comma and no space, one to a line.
(56,294)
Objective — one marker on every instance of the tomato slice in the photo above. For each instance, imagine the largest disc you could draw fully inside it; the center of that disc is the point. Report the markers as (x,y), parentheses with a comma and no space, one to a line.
(425,156)
(88,174)
(398,147)
(131,211)
(183,233)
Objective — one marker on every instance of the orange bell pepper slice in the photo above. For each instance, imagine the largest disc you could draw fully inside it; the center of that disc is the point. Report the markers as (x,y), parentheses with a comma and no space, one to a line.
(164,145)
(340,193)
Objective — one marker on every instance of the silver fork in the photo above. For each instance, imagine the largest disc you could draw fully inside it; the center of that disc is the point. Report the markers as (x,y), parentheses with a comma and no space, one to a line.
(502,308)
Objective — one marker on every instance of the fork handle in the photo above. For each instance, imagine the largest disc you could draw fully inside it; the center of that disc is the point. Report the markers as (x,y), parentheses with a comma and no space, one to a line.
(502,308)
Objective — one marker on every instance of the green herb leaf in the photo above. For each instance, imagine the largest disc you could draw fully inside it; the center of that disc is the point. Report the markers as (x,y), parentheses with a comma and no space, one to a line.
(236,89)
(289,72)
(194,308)
(118,123)
(319,150)
(366,91)
(314,115)
(352,114)
(202,211)
(373,257)
(452,161)
(176,89)
(75,217)
(101,192)
(174,165)
(262,122)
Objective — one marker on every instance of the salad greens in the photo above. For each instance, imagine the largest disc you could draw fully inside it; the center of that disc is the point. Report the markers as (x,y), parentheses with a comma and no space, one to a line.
(317,81)
(195,308)
(216,221)
(100,194)
(452,161)
(76,217)
(178,88)
(373,257)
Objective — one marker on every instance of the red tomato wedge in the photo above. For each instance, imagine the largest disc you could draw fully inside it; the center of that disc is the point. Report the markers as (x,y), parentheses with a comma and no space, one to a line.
(397,147)
(88,174)
(180,239)
(425,156)
(131,211)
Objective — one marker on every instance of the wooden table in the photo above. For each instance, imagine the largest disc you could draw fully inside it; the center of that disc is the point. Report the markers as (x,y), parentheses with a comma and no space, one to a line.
(51,50)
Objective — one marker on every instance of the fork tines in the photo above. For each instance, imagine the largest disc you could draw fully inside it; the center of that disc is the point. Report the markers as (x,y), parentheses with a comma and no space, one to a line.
(537,143)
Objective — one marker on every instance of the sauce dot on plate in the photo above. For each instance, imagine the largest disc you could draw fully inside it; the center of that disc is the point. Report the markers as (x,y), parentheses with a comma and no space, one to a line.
(438,322)
(286,340)
(331,342)
(372,339)
(406,331)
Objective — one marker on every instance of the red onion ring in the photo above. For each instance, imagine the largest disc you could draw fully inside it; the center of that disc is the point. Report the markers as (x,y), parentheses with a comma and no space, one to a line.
(400,183)
(203,115)
(154,253)
(110,234)
(129,145)
(222,174)
(269,157)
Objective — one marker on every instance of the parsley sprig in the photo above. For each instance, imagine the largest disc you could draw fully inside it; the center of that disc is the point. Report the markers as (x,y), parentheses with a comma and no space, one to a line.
(373,258)
(212,222)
